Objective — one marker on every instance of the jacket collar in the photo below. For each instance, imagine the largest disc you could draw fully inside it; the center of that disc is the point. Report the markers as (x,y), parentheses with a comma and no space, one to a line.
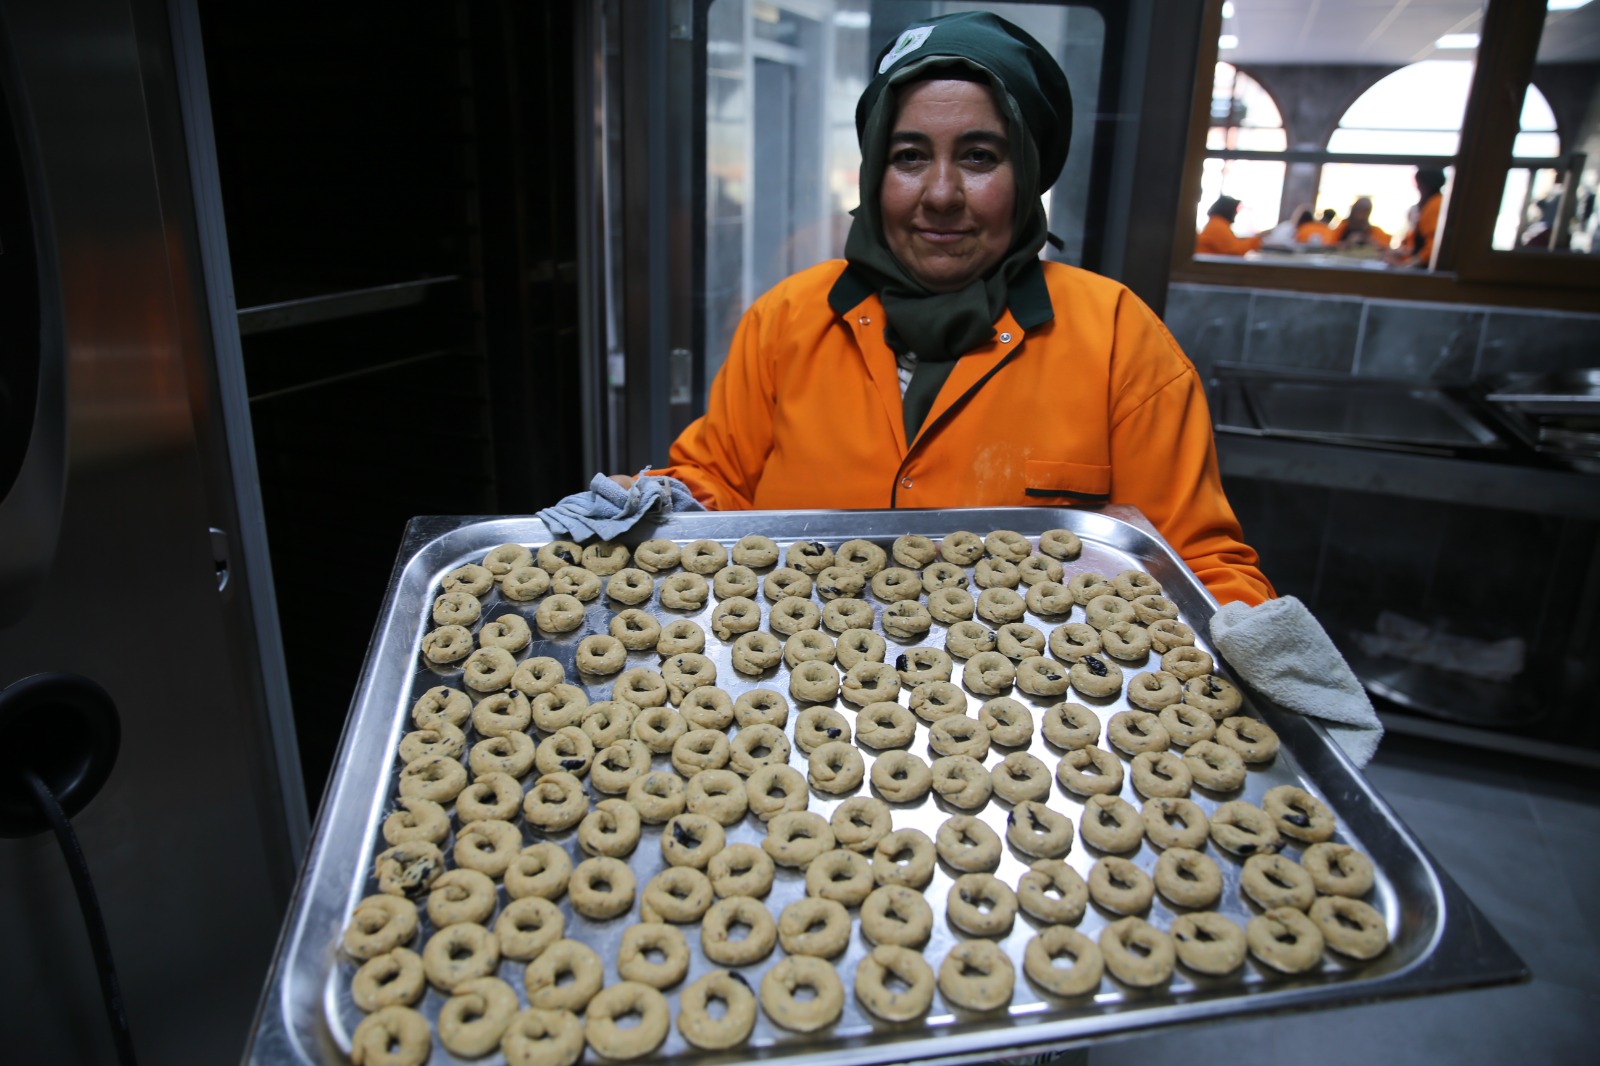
(1029,298)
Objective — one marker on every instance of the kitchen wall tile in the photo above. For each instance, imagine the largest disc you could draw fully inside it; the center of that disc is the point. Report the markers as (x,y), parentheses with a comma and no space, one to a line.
(1419,341)
(1294,330)
(1536,341)
(1209,322)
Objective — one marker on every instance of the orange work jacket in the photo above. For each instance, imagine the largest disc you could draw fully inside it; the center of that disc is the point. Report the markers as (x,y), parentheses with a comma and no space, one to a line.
(1426,226)
(1307,231)
(1097,405)
(1376,236)
(1217,238)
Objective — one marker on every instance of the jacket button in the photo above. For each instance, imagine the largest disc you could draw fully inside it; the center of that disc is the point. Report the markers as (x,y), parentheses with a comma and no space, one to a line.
(866,321)
(1005,338)
(905,483)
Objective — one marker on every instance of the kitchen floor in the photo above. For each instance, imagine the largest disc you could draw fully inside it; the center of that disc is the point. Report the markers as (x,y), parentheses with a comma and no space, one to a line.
(1522,839)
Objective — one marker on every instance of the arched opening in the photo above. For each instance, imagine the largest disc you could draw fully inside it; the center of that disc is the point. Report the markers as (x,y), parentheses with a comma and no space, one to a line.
(1244,117)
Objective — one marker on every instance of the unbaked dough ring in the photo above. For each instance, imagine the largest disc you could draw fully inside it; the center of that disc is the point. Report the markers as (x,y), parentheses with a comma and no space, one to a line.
(1299,814)
(1053,892)
(1048,599)
(1009,723)
(1208,943)
(795,838)
(684,592)
(659,795)
(1070,726)
(996,574)
(1175,822)
(509,632)
(778,999)
(458,953)
(462,895)
(856,646)
(1244,829)
(641,941)
(1275,881)
(715,928)
(901,777)
(470,578)
(441,705)
(1338,869)
(755,551)
(378,925)
(527,926)
(1186,725)
(421,819)
(656,555)
(1119,886)
(1151,965)
(775,788)
(391,1036)
(1214,767)
(681,636)
(967,844)
(989,673)
(555,802)
(957,734)
(502,713)
(640,686)
(815,925)
(741,870)
(602,887)
(542,869)
(861,555)
(905,857)
(761,706)
(786,581)
(1060,544)
(618,765)
(511,754)
(810,557)
(755,746)
(966,639)
(1058,941)
(756,652)
(676,894)
(885,725)
(909,970)
(718,794)
(611,828)
(1072,641)
(847,613)
(393,979)
(735,580)
(703,557)
(977,975)
(738,1019)
(605,1036)
(1154,690)
(1001,605)
(543,1038)
(961,781)
(1095,677)
(447,644)
(1039,832)
(1188,878)
(567,750)
(542,979)
(814,682)
(1254,740)
(869,682)
(836,768)
(1089,585)
(792,614)
(689,839)
(1073,772)
(1021,776)
(1285,939)
(1160,773)
(816,726)
(1350,926)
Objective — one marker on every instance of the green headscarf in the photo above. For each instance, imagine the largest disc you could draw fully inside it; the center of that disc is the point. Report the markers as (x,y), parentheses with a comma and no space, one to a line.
(1031,91)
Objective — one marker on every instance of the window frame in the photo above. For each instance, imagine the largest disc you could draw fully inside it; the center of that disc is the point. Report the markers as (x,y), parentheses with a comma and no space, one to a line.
(1467,269)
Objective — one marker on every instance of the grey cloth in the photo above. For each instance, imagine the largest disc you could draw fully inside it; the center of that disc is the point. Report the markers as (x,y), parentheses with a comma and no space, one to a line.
(1282,652)
(608,510)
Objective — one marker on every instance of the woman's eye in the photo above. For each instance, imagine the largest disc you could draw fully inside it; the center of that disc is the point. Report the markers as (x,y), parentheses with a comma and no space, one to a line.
(904,156)
(982,157)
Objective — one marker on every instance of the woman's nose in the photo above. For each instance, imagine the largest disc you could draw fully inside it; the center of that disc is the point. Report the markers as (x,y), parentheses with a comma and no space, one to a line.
(943,191)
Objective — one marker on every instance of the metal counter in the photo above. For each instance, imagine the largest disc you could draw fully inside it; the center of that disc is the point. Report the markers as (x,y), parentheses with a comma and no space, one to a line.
(1438,939)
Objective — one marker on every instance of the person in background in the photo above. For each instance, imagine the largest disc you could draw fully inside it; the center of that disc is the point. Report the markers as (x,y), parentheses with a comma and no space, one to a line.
(1314,230)
(1217,236)
(942,363)
(1417,249)
(1281,236)
(1328,215)
(1357,230)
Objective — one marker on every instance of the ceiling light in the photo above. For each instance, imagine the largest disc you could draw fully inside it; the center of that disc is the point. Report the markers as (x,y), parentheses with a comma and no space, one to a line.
(1451,41)
(1227,8)
(1227,42)
(1554,5)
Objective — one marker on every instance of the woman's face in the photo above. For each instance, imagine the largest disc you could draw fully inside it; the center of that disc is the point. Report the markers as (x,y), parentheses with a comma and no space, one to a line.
(949,191)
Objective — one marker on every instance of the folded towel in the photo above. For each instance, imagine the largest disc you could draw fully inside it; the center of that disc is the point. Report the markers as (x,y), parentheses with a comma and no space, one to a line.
(1285,654)
(608,510)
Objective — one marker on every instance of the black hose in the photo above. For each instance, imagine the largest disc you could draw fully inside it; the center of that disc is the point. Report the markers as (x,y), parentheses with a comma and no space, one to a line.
(89,904)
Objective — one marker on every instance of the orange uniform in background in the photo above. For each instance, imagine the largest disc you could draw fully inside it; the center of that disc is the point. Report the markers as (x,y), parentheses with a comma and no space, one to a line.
(1425,229)
(1379,238)
(1308,232)
(1217,238)
(1096,406)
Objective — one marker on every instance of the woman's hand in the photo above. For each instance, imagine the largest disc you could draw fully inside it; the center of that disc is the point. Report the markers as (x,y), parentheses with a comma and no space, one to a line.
(625,480)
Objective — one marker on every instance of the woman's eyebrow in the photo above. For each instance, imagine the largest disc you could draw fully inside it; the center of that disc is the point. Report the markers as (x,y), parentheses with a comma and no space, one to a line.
(980,136)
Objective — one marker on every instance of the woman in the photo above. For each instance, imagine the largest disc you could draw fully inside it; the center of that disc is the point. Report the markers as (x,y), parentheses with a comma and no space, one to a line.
(1417,249)
(1216,237)
(1357,229)
(941,363)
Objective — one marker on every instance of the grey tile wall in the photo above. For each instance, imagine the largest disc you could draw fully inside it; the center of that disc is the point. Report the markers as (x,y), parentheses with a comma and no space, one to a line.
(1375,338)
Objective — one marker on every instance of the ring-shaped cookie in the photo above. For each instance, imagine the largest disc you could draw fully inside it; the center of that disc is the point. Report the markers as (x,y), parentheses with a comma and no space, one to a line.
(680,637)
(741,870)
(761,706)
(1018,641)
(1244,829)
(541,869)
(698,750)
(869,682)
(816,726)
(961,781)
(774,788)
(792,614)
(735,580)
(795,838)
(378,925)
(488,669)
(1048,599)
(441,705)
(1299,814)
(989,673)
(394,979)
(611,828)
(736,1021)
(630,586)
(442,739)
(950,605)
(659,729)
(1009,723)
(1021,776)
(463,895)
(814,682)
(607,722)
(1060,544)
(884,725)
(716,929)
(1053,892)
(511,754)
(966,639)
(1350,926)
(602,887)
(434,777)
(847,613)
(836,768)
(1110,823)
(1208,943)
(814,925)
(1188,878)
(447,644)
(1001,605)
(1126,642)
(1119,886)
(684,592)
(1090,771)
(913,552)
(957,734)
(901,777)
(562,706)
(756,652)
(560,613)
(615,1042)
(840,875)
(658,795)
(1217,696)
(1131,584)
(542,980)
(1072,641)
(1169,633)
(967,844)
(456,608)
(1285,939)
(489,846)
(1040,570)
(1037,831)
(1089,585)
(538,675)
(1175,822)
(1254,740)
(808,556)
(943,575)
(981,904)
(735,616)
(1095,677)
(689,839)
(1154,608)
(787,581)
(1160,773)
(1338,869)
(470,578)
(1039,675)
(1275,881)
(1186,661)
(992,573)
(1134,732)
(422,819)
(755,746)
(861,555)
(391,1036)
(860,822)
(961,548)
(600,654)
(977,975)
(1070,726)
(527,926)
(703,557)
(676,894)
(1060,941)
(1214,767)
(508,632)
(1137,953)
(904,857)
(459,953)
(640,942)
(911,973)
(555,802)
(619,765)
(525,584)
(537,1037)
(1186,725)
(898,915)
(1102,612)
(895,583)
(808,645)
(1008,544)
(567,750)
(780,984)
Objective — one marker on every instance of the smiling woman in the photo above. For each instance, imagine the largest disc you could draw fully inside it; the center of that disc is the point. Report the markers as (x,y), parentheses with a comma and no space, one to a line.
(934,364)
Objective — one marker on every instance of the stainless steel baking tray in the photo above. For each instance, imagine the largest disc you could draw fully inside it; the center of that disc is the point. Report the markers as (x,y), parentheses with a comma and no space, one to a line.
(1439,940)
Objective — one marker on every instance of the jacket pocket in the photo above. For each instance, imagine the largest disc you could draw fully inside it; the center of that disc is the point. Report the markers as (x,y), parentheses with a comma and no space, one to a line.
(1067,481)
